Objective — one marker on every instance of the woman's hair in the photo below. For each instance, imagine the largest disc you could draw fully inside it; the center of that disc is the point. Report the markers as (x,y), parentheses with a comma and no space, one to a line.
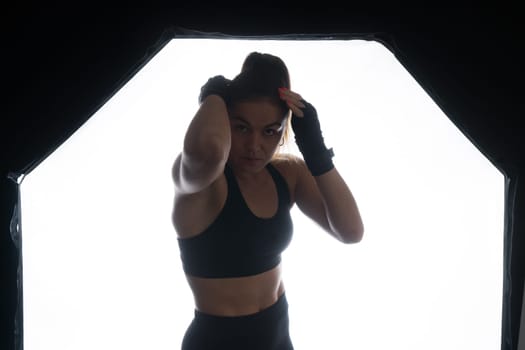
(261,76)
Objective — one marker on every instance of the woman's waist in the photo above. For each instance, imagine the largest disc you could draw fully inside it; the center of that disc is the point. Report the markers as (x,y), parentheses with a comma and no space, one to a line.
(237,296)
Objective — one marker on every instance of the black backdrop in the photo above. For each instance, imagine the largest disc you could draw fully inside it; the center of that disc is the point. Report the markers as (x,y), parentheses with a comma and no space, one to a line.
(62,64)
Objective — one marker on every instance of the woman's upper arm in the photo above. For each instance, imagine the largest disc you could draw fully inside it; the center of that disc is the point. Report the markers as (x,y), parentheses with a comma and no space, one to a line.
(307,195)
(328,201)
(192,174)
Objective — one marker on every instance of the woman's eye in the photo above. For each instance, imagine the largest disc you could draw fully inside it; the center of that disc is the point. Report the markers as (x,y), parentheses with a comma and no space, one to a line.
(271,132)
(241,128)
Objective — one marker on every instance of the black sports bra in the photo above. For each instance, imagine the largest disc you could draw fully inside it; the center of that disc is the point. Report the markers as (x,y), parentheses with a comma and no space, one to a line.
(238,243)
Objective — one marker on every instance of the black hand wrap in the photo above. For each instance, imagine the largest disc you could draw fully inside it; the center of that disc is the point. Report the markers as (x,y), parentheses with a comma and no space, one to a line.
(309,139)
(217,85)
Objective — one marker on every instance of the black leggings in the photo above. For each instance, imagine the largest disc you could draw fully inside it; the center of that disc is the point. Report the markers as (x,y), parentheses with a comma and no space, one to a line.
(267,329)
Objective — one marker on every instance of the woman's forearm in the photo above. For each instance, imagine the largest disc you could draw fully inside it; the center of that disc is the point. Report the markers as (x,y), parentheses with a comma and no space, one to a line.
(206,147)
(341,208)
(209,131)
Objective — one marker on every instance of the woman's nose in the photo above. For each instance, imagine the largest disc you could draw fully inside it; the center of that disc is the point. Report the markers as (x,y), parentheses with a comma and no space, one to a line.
(254,142)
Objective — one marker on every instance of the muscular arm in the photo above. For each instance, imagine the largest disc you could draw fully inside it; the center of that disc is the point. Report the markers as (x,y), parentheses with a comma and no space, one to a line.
(327,200)
(206,147)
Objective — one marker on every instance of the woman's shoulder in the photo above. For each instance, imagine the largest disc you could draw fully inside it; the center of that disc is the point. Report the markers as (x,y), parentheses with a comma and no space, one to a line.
(287,161)
(289,165)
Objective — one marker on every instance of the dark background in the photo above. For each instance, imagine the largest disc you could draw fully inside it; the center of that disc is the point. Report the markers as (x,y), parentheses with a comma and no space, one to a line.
(62,64)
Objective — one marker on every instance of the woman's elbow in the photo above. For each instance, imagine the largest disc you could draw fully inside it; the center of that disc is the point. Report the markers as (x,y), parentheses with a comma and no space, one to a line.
(352,236)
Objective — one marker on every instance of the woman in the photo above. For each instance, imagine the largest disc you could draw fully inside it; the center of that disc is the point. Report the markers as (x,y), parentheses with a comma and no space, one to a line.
(234,192)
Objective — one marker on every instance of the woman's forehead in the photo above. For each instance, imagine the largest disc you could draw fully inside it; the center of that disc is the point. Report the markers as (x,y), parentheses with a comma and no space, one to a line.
(257,112)
(257,108)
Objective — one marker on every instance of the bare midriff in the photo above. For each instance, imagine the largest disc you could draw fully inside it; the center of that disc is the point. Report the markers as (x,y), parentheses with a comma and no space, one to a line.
(237,296)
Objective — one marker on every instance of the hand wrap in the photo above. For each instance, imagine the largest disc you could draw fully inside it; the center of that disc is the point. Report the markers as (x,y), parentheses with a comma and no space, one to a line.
(309,139)
(217,85)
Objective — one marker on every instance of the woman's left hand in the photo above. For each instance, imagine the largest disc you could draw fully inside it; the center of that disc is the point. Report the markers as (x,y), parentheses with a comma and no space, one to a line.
(293,100)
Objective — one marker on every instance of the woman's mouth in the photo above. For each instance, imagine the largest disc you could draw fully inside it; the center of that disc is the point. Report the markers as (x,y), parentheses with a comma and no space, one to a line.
(252,160)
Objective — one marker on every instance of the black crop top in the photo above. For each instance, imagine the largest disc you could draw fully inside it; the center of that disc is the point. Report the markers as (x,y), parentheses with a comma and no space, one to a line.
(238,243)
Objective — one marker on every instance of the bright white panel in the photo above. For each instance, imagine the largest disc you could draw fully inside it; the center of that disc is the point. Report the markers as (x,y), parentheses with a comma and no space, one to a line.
(101,261)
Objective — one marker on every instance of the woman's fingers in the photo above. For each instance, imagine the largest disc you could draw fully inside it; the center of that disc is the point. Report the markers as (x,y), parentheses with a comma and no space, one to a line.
(293,100)
(289,94)
(295,109)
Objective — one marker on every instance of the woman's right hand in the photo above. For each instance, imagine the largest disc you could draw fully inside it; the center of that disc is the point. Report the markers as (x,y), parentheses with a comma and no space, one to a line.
(217,85)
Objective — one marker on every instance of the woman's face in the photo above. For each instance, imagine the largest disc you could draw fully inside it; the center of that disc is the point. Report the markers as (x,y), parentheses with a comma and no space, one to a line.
(256,130)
